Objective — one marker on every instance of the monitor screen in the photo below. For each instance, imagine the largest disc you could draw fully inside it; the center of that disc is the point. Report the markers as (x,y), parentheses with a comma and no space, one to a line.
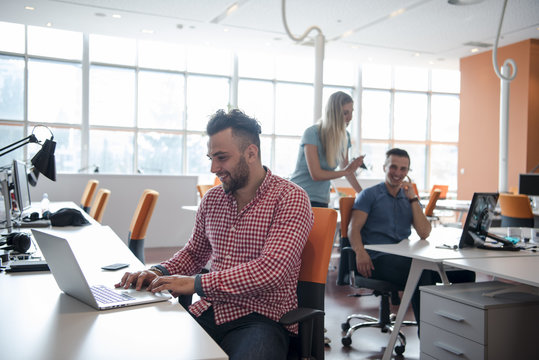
(478,219)
(528,184)
(20,184)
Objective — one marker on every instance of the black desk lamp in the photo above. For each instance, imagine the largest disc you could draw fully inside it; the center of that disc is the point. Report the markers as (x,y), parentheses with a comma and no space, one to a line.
(44,162)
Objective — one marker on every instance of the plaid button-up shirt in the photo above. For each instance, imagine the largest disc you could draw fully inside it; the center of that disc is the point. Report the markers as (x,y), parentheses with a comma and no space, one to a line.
(255,255)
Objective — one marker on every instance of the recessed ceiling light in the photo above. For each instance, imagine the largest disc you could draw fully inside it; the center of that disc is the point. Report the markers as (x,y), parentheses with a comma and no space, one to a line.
(146,31)
(29,8)
(117,16)
(431,62)
(232,8)
(417,54)
(474,50)
(226,29)
(396,13)
(49,24)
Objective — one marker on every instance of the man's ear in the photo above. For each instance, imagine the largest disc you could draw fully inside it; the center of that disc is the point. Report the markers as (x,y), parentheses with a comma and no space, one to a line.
(252,152)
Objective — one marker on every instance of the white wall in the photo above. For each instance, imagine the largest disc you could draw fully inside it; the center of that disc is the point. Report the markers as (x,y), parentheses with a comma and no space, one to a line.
(170,224)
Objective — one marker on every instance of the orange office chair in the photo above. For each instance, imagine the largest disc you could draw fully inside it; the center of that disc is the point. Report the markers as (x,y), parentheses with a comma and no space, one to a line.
(442,188)
(217,181)
(100,204)
(311,286)
(348,275)
(202,189)
(88,194)
(429,209)
(140,222)
(516,210)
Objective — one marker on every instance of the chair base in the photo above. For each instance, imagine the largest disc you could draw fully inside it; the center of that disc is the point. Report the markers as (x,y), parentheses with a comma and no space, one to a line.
(369,321)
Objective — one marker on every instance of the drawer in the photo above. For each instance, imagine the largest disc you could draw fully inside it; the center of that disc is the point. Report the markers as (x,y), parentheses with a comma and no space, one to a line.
(424,356)
(458,318)
(441,345)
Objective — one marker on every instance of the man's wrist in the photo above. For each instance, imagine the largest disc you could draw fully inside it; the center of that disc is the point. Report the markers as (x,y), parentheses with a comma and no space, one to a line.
(414,199)
(156,271)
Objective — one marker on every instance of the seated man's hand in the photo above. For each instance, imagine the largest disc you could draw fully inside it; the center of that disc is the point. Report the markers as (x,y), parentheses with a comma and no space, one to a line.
(176,284)
(364,263)
(137,279)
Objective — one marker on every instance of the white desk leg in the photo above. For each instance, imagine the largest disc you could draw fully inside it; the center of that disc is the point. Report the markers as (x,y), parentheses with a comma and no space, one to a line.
(416,269)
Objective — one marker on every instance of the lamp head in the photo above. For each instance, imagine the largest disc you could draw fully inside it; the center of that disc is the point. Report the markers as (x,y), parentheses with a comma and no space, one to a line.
(44,160)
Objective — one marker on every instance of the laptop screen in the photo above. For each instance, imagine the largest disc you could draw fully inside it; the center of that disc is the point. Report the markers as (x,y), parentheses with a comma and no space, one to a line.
(479,218)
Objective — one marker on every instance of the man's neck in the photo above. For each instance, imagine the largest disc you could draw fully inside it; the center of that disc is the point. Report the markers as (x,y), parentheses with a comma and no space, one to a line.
(392,189)
(244,195)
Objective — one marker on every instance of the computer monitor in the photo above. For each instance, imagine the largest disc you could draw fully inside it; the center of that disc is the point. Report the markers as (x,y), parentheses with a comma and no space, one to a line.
(20,185)
(478,219)
(528,184)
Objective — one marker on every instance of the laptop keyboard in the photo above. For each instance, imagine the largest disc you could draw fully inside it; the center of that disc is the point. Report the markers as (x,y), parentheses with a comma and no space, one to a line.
(106,295)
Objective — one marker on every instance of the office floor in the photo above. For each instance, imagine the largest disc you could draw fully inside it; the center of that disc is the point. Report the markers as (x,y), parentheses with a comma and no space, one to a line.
(366,343)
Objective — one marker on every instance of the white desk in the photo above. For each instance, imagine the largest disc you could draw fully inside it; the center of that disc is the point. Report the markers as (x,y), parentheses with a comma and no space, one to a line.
(39,321)
(524,270)
(425,256)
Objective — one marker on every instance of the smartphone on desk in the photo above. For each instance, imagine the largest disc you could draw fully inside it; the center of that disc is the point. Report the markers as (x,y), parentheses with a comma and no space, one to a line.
(114,267)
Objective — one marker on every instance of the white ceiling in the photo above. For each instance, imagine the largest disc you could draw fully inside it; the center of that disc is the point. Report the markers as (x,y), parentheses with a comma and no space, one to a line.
(425,33)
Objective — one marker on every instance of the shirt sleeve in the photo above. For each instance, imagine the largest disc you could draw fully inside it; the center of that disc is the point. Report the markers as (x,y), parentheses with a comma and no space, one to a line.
(364,201)
(310,136)
(280,257)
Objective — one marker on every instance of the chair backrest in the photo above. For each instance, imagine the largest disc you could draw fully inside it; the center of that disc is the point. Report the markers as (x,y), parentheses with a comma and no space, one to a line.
(347,191)
(345,208)
(88,194)
(143,214)
(435,195)
(99,204)
(443,188)
(317,251)
(515,206)
(314,269)
(202,189)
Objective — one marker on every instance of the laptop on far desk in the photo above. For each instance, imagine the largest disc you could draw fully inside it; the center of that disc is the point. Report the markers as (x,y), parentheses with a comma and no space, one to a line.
(64,260)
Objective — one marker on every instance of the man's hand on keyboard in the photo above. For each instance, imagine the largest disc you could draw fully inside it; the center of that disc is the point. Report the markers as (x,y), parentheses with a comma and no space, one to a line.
(176,284)
(137,279)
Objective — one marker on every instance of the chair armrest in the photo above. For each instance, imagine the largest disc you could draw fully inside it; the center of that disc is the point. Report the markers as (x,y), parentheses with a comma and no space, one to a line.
(299,315)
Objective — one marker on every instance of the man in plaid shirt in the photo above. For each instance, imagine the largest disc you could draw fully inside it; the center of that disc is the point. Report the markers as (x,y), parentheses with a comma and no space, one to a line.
(252,230)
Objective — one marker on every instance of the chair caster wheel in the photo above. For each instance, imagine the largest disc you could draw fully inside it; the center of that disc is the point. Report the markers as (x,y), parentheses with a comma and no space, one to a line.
(392,317)
(399,350)
(345,326)
(346,341)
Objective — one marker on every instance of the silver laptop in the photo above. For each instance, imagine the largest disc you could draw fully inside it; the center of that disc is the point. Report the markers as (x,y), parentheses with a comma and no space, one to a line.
(64,253)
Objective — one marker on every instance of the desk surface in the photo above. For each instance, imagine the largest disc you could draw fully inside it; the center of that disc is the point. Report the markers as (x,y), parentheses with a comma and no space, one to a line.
(524,270)
(426,249)
(39,321)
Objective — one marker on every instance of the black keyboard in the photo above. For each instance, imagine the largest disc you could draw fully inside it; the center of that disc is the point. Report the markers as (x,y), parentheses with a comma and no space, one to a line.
(106,295)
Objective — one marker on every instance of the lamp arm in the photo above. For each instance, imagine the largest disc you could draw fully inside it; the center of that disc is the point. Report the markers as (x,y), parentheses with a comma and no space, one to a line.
(288,30)
(29,139)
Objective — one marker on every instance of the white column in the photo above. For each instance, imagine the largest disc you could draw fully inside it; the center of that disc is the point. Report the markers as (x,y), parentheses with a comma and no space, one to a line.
(318,75)
(504,128)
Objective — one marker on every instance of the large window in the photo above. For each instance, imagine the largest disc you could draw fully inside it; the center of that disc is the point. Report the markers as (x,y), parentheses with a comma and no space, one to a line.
(135,106)
(414,109)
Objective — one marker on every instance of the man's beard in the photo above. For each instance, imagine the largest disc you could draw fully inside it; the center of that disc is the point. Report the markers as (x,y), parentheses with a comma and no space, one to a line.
(239,178)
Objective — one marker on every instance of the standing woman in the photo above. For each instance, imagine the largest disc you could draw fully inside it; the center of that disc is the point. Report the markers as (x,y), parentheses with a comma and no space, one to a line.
(324,146)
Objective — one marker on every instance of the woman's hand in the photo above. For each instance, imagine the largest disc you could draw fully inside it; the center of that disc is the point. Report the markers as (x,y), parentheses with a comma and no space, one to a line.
(353,165)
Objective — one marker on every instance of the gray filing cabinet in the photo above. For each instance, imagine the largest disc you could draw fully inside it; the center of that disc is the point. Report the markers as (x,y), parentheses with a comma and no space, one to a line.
(459,322)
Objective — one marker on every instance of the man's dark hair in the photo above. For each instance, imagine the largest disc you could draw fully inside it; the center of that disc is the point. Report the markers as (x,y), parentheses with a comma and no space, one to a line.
(243,127)
(398,152)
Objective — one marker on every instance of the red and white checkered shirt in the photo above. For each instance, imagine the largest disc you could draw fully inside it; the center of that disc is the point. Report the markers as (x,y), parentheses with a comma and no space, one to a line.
(255,255)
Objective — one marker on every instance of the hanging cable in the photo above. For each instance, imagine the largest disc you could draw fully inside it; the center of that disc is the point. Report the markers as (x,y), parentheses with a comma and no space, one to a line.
(495,53)
(288,30)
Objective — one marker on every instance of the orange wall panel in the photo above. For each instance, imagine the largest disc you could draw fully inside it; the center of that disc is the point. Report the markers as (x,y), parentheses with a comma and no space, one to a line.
(480,118)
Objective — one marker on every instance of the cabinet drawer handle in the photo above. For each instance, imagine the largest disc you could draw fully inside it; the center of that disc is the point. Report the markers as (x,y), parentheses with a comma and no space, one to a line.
(448,348)
(449,316)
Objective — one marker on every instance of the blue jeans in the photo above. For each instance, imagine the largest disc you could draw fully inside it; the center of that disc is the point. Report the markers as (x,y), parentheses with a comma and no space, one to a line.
(253,336)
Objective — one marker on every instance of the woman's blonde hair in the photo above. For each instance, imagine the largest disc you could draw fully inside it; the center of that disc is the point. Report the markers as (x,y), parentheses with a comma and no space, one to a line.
(332,128)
